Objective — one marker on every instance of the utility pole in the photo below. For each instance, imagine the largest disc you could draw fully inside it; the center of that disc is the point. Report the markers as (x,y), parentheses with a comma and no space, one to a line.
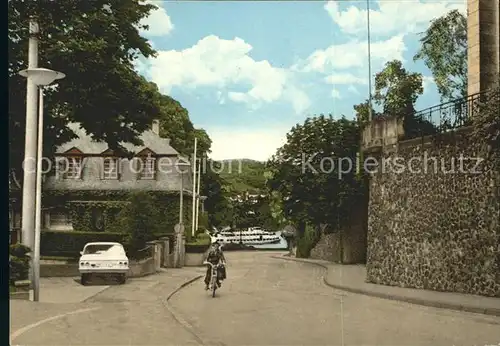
(193,165)
(198,196)
(370,115)
(30,148)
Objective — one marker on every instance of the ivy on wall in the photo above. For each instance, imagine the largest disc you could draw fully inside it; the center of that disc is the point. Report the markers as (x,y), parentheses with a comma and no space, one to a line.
(97,210)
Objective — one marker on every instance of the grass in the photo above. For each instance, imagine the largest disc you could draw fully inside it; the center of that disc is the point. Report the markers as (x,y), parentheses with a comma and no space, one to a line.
(12,289)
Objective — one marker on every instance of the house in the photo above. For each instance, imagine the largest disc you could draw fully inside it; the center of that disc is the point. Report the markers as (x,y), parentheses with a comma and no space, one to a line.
(88,183)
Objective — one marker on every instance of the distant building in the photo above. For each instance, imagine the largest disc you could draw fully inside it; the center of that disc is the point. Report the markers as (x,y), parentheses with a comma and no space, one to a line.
(86,166)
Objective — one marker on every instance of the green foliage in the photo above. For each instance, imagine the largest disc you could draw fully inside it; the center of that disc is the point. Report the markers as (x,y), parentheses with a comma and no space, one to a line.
(397,90)
(110,203)
(140,219)
(243,176)
(217,204)
(444,51)
(69,244)
(362,111)
(202,222)
(19,263)
(198,245)
(307,241)
(201,239)
(96,45)
(313,191)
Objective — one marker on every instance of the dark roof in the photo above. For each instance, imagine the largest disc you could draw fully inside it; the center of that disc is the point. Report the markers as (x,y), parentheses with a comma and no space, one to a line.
(84,143)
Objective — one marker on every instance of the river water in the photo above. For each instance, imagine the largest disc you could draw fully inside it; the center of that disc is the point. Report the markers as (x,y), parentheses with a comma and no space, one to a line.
(282,245)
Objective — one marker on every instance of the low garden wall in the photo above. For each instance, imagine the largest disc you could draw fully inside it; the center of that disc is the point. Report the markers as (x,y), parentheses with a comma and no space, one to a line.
(56,268)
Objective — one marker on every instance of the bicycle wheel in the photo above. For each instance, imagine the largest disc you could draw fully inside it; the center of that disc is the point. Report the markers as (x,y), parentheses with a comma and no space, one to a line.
(214,284)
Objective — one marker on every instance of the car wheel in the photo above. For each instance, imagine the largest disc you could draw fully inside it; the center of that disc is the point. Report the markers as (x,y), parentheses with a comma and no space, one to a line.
(83,279)
(122,278)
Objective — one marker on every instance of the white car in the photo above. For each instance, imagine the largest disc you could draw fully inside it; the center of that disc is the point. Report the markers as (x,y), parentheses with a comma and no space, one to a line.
(103,258)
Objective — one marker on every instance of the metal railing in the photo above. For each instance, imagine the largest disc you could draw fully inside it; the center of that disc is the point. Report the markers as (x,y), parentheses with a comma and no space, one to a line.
(447,116)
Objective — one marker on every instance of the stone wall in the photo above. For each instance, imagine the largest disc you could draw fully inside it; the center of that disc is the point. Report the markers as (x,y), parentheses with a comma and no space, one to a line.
(354,245)
(431,228)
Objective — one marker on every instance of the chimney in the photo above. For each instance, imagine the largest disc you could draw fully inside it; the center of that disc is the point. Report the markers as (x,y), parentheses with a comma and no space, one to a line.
(156,126)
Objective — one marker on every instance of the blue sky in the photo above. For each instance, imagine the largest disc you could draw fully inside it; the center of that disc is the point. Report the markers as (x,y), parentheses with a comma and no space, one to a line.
(247,71)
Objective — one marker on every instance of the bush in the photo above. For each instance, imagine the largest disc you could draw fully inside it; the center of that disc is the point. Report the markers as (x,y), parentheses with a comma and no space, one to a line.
(69,244)
(307,241)
(19,263)
(200,244)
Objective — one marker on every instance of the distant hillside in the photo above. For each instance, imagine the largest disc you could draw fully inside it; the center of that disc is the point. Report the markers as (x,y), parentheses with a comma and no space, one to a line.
(243,175)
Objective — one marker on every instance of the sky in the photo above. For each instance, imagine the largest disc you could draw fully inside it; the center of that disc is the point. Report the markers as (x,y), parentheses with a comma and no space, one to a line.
(248,71)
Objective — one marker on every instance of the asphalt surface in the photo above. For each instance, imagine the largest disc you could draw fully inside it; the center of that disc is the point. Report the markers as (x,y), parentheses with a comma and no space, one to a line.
(265,301)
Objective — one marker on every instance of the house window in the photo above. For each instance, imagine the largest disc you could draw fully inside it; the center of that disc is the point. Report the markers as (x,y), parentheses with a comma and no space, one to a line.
(59,220)
(148,168)
(110,168)
(71,167)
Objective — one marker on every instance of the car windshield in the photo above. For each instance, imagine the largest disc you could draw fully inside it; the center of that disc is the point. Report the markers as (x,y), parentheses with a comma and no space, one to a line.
(101,248)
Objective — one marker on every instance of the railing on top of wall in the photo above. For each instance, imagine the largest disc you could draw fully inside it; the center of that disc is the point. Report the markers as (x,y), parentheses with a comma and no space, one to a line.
(143,254)
(447,116)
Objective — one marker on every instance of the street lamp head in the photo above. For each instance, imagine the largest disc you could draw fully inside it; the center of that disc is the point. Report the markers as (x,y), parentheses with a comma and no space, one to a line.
(203,198)
(182,165)
(42,76)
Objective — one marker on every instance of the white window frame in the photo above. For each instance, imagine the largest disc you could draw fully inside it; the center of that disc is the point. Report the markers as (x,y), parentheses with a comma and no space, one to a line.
(110,168)
(74,168)
(65,225)
(148,171)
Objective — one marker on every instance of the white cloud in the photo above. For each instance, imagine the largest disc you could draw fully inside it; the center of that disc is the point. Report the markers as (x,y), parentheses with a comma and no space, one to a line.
(353,89)
(158,20)
(336,94)
(354,54)
(246,144)
(222,64)
(428,82)
(400,17)
(345,78)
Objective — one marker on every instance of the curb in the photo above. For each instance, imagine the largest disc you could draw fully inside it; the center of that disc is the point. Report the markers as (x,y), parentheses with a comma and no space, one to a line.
(388,296)
(177,316)
(186,325)
(182,286)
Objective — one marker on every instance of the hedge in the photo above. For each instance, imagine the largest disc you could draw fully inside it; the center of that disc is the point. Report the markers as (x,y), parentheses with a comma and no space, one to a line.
(69,244)
(19,263)
(200,245)
(196,248)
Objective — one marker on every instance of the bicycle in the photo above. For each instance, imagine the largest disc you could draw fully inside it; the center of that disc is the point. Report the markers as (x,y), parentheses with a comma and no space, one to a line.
(213,278)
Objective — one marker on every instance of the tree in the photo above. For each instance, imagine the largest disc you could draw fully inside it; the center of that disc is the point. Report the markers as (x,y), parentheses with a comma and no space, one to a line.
(363,113)
(140,220)
(95,44)
(311,171)
(217,204)
(396,91)
(444,51)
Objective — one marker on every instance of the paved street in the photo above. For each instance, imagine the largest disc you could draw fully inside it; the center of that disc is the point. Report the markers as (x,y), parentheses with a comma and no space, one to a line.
(274,302)
(132,314)
(265,301)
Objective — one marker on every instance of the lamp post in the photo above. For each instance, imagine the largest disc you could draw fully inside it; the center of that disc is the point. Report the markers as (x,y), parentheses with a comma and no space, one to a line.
(182,167)
(370,115)
(40,77)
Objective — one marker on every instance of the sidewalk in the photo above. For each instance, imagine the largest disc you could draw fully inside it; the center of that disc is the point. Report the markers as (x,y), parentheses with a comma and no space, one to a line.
(131,314)
(351,278)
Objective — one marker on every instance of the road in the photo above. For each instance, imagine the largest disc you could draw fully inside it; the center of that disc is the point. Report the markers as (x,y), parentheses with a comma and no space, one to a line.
(265,301)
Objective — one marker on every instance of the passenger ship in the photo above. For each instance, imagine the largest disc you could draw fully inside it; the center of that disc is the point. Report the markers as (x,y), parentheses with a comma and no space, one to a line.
(251,236)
